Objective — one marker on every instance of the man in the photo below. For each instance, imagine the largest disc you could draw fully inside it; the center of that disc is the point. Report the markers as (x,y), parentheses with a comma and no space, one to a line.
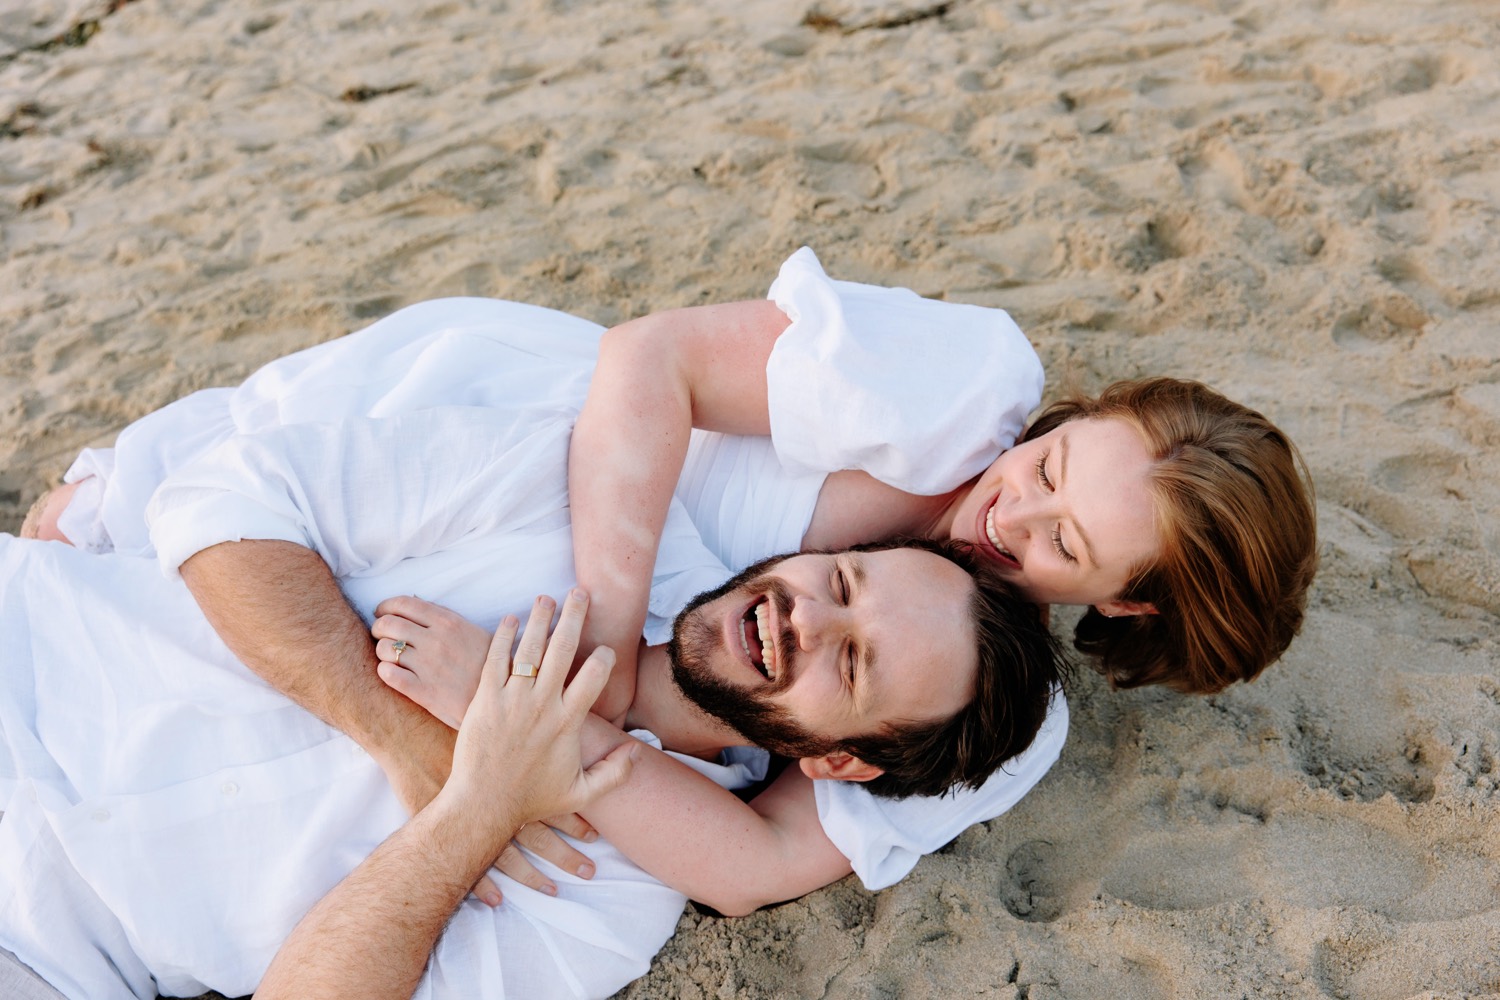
(288,481)
(186,781)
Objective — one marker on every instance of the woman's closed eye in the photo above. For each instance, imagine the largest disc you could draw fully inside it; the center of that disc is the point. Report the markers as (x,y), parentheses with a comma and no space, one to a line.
(1041,472)
(1057,543)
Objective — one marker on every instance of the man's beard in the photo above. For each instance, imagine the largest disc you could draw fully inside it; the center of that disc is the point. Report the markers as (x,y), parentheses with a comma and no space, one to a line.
(695,642)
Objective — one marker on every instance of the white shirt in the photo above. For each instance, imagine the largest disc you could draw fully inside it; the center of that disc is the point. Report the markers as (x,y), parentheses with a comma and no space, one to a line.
(415,456)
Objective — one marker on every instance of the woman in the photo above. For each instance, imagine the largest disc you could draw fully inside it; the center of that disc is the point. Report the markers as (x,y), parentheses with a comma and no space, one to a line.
(1184,520)
(1181,519)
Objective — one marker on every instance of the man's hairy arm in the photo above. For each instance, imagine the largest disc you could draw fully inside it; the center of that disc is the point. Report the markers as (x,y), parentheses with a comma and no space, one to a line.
(371,936)
(517,758)
(279,609)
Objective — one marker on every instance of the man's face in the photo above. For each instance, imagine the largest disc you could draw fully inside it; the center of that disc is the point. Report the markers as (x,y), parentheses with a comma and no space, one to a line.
(800,652)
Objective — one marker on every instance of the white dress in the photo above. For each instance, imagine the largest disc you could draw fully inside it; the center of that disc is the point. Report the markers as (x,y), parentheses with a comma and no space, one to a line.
(169,817)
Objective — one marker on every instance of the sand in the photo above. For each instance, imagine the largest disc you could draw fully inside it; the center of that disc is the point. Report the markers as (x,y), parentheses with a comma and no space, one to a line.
(1297,201)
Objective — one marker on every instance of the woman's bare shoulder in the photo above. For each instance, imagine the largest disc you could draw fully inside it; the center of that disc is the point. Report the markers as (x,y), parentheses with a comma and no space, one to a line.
(854,507)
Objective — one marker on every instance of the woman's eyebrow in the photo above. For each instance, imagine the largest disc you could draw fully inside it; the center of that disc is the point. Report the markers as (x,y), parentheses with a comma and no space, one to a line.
(1062,477)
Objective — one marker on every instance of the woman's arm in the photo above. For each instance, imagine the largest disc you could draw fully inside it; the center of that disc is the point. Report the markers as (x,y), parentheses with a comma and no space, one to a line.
(657,378)
(703,841)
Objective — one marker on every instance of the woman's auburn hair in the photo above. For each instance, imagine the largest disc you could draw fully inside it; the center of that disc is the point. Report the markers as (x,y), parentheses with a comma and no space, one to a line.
(1234,512)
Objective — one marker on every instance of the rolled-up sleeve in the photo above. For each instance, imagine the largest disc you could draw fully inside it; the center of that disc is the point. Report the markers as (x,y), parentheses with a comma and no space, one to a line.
(367,492)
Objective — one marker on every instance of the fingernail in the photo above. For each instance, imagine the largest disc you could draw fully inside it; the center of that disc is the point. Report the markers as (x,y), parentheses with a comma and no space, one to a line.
(550,889)
(510,621)
(590,836)
(579,594)
(585,870)
(491,898)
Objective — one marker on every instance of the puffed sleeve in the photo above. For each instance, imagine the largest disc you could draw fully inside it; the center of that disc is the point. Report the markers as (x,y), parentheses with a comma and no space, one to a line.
(884,838)
(367,492)
(920,394)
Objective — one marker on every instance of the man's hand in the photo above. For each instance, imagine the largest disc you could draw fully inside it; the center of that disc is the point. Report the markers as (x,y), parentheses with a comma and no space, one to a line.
(435,657)
(518,749)
(517,758)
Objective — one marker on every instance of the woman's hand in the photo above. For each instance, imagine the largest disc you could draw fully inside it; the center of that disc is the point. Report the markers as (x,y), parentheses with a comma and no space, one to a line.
(430,654)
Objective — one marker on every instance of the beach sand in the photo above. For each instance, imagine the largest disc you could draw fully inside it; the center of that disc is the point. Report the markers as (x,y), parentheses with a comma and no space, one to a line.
(1297,201)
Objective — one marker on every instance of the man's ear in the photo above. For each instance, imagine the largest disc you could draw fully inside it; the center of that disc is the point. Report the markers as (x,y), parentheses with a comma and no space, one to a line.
(839,766)
(1120,609)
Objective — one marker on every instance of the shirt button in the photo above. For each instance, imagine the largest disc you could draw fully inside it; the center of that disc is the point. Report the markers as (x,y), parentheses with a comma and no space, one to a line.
(229,788)
(101,815)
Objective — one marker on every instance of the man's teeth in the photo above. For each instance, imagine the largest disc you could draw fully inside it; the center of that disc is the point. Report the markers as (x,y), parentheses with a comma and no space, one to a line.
(767,648)
(994,537)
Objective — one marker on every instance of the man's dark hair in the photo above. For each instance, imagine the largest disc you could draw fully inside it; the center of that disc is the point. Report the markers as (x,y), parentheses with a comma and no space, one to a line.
(1020,665)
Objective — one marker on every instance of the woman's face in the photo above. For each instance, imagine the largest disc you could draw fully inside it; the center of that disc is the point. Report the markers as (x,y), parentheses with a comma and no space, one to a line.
(1068,515)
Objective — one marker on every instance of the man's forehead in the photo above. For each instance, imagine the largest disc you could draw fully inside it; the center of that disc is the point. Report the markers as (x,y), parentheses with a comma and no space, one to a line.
(924,634)
(922,597)
(904,573)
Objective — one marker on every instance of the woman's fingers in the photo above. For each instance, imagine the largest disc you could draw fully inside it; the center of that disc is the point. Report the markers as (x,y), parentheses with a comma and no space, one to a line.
(414,609)
(394,635)
(414,687)
(389,650)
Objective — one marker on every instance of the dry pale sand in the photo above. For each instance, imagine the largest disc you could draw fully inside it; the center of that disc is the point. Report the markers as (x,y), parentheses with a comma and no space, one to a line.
(1297,201)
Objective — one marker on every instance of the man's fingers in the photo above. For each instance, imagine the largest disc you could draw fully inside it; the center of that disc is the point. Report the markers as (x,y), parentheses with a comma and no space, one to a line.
(515,864)
(573,825)
(610,772)
(589,681)
(528,659)
(543,841)
(563,644)
(487,891)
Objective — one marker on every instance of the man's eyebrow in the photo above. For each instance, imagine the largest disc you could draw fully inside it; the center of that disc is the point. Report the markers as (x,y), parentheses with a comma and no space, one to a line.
(864,651)
(1062,477)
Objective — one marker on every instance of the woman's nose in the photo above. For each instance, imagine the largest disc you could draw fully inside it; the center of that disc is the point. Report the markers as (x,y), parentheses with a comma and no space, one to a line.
(1015,513)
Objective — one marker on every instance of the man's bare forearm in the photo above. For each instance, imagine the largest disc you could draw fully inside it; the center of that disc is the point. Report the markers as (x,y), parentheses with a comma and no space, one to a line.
(279,609)
(371,936)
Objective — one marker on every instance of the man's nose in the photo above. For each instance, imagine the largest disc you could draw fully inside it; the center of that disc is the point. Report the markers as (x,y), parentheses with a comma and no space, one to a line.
(813,622)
